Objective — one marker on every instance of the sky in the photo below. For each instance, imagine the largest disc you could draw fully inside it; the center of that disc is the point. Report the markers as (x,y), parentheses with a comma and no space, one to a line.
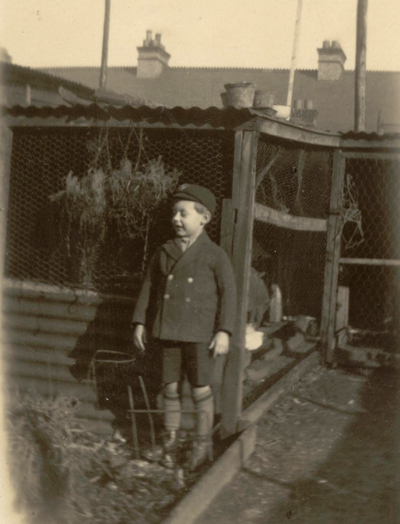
(197,33)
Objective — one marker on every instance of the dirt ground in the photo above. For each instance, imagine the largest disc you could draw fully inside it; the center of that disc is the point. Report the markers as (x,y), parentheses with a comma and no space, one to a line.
(326,453)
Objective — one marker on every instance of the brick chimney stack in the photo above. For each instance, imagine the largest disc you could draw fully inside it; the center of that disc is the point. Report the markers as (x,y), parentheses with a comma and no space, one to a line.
(153,58)
(331,59)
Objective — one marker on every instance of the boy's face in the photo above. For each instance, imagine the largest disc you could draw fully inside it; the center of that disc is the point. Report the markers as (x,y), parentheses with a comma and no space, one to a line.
(186,220)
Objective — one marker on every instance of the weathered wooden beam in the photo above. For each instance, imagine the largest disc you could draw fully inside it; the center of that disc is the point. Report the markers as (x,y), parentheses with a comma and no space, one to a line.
(227,226)
(244,183)
(300,167)
(280,219)
(237,166)
(261,175)
(370,261)
(332,259)
(377,153)
(299,134)
(361,69)
(5,168)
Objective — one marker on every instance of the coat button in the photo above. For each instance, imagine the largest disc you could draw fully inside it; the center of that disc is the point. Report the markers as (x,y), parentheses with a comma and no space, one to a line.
(170,277)
(187,299)
(190,280)
(166,297)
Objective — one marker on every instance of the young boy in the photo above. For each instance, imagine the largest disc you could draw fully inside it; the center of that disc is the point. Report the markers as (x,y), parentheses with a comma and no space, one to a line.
(187,306)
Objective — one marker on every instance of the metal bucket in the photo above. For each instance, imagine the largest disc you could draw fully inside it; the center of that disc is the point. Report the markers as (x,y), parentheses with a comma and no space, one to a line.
(240,94)
(263,99)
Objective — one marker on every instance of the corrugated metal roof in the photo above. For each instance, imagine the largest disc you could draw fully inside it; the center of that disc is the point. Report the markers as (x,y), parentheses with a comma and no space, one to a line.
(353,135)
(213,117)
(201,87)
(217,118)
(16,75)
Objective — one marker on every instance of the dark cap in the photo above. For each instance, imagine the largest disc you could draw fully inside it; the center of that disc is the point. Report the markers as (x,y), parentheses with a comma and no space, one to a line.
(196,193)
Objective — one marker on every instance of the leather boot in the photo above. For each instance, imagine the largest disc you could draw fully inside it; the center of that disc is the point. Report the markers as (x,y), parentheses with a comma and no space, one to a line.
(201,452)
(202,446)
(168,448)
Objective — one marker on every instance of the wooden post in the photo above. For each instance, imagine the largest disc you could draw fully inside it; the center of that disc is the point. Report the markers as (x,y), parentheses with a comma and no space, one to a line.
(300,167)
(227,226)
(5,167)
(332,259)
(243,199)
(104,54)
(361,53)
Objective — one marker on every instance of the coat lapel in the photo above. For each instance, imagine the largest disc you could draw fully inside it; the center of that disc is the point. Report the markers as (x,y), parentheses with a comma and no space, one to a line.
(192,251)
(172,253)
(173,250)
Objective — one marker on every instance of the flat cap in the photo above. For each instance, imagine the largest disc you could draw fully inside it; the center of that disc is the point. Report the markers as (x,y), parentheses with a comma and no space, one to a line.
(196,193)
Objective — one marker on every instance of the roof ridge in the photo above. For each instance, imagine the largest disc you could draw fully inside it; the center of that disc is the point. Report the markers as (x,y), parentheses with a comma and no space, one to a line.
(232,68)
(50,75)
(41,68)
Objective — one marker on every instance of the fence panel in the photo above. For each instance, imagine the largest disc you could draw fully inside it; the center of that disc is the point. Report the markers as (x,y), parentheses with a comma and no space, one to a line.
(43,325)
(289,238)
(370,250)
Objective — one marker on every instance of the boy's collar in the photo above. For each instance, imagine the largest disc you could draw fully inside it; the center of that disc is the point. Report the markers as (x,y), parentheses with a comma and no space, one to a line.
(174,250)
(184,243)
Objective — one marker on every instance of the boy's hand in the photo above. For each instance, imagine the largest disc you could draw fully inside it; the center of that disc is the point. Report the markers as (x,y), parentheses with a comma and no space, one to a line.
(220,343)
(140,337)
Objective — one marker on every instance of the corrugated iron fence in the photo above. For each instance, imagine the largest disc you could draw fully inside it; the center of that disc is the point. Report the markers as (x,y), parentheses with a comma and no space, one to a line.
(42,325)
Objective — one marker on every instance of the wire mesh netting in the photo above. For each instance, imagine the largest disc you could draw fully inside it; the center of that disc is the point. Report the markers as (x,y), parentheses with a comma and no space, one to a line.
(295,182)
(373,186)
(43,157)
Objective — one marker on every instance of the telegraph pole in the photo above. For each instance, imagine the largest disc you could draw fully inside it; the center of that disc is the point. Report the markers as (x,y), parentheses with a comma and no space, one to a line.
(294,53)
(361,54)
(104,54)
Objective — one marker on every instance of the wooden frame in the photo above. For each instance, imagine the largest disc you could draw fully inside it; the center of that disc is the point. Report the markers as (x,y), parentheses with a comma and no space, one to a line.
(243,194)
(240,211)
(6,150)
(332,259)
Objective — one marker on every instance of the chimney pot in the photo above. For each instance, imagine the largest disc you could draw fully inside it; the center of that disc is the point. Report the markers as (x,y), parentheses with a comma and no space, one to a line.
(152,58)
(298,104)
(326,44)
(331,61)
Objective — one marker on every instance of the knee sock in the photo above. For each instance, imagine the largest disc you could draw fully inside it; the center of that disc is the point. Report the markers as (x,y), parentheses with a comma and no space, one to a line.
(172,407)
(204,402)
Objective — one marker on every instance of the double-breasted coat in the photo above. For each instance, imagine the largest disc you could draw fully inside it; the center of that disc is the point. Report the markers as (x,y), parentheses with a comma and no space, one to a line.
(188,296)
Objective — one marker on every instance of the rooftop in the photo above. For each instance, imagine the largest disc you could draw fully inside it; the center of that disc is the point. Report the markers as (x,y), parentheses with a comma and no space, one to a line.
(202,87)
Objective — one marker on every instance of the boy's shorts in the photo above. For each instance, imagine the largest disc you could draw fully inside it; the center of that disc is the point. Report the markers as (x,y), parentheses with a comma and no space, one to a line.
(191,358)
